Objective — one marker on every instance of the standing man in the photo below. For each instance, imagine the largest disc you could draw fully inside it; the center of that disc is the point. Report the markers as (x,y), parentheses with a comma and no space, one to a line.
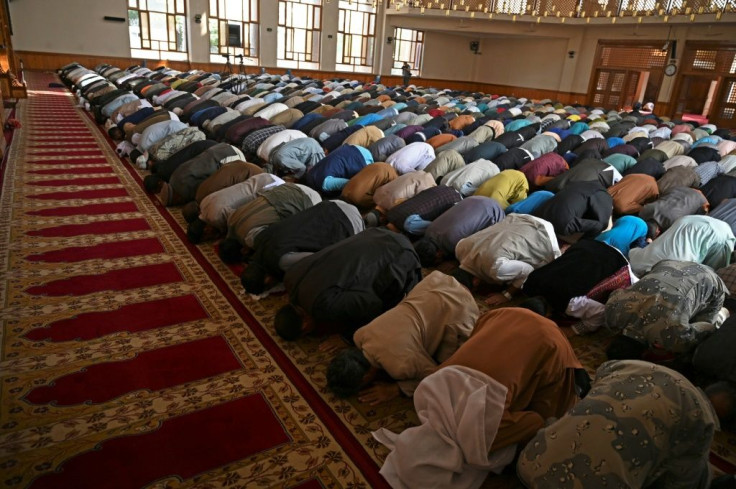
(406,73)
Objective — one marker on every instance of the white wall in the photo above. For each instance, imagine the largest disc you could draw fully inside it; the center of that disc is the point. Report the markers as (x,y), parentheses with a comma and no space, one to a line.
(70,26)
(269,19)
(523,62)
(448,57)
(199,38)
(330,19)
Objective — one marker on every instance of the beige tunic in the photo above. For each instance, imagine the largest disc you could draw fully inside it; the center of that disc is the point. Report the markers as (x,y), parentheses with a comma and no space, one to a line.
(424,329)
(404,187)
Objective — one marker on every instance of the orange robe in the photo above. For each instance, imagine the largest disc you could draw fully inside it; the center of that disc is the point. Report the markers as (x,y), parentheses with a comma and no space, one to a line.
(632,192)
(441,140)
(360,189)
(530,356)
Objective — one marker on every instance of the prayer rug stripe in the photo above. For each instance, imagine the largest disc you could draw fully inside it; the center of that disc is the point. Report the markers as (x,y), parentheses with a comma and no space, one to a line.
(76,181)
(133,318)
(72,171)
(181,447)
(70,145)
(87,210)
(79,161)
(151,370)
(125,279)
(104,193)
(92,152)
(41,133)
(53,127)
(72,126)
(60,140)
(44,133)
(118,249)
(108,227)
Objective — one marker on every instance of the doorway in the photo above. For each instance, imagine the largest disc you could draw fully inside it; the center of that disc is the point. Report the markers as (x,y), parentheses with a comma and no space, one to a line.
(696,95)
(626,72)
(725,112)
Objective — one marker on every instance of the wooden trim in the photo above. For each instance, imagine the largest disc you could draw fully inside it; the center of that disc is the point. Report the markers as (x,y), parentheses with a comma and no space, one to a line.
(709,44)
(34,60)
(652,43)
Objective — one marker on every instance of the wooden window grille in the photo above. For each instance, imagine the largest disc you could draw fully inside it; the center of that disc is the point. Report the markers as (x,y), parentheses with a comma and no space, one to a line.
(716,59)
(728,102)
(634,57)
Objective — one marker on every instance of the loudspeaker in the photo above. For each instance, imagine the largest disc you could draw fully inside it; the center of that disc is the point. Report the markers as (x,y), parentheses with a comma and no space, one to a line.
(673,53)
(474,46)
(233,35)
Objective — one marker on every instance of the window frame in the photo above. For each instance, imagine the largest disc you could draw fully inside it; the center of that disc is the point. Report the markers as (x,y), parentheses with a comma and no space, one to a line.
(175,13)
(345,60)
(416,50)
(249,28)
(285,34)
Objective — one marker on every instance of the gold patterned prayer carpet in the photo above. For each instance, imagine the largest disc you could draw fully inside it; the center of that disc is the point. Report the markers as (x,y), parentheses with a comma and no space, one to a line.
(130,358)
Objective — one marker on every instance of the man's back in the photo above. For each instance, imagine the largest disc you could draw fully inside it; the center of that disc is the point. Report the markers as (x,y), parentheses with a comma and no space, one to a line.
(641,426)
(356,279)
(659,308)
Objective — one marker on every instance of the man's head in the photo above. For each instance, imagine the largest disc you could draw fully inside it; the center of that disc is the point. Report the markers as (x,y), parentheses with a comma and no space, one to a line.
(253,278)
(231,251)
(289,323)
(653,230)
(465,278)
(625,348)
(196,231)
(722,396)
(190,211)
(429,253)
(115,133)
(536,304)
(152,183)
(346,372)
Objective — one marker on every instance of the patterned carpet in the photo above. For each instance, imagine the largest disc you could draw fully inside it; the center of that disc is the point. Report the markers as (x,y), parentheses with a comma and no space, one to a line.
(130,358)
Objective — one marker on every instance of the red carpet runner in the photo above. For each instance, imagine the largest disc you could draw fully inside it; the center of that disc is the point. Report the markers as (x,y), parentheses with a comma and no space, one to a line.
(128,357)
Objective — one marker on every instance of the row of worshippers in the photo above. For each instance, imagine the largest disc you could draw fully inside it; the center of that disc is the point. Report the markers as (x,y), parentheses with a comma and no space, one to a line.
(574,208)
(365,283)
